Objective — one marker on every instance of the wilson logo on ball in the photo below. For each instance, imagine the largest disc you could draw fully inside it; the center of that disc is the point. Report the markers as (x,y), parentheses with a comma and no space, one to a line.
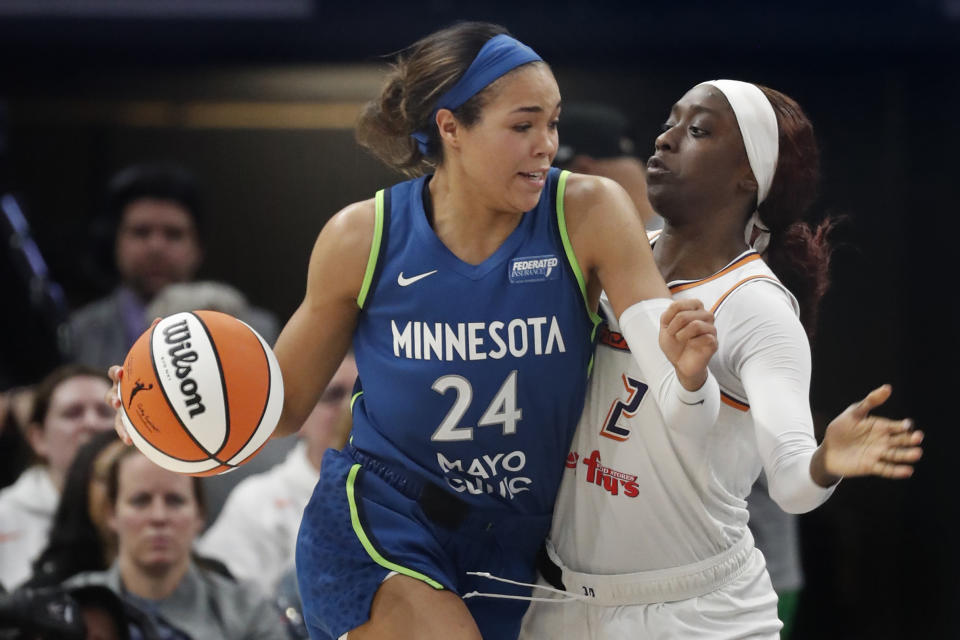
(179,335)
(206,392)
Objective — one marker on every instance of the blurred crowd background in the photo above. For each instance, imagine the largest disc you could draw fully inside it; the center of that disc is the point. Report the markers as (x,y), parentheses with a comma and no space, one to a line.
(257,100)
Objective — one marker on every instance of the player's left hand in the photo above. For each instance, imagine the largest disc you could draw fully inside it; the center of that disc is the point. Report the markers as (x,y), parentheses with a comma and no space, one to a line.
(858,444)
(688,337)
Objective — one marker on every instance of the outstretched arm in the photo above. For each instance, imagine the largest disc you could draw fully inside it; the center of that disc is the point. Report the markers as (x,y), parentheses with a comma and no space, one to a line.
(671,342)
(766,347)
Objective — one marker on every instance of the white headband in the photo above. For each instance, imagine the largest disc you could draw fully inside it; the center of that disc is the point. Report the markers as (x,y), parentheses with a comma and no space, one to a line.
(758,128)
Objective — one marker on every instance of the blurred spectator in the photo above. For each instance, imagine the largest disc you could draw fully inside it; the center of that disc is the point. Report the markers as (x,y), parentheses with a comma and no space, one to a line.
(155,210)
(156,214)
(68,409)
(255,534)
(156,515)
(594,140)
(79,538)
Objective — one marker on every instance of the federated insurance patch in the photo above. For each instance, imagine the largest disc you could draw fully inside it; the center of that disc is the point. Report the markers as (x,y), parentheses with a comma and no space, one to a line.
(534,269)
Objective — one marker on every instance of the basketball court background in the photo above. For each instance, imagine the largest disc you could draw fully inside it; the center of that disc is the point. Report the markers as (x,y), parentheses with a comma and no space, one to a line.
(257,98)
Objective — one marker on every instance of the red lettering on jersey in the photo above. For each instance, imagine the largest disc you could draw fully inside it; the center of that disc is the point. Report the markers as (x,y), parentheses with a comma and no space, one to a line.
(610,479)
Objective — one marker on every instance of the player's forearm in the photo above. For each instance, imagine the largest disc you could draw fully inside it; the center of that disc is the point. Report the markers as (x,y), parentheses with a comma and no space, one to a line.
(687,409)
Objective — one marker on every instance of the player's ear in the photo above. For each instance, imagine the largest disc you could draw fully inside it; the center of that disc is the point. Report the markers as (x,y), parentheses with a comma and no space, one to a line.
(748,183)
(449,128)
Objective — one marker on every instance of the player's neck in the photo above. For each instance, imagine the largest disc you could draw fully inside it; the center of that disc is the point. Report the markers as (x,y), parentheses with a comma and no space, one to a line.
(470,228)
(696,250)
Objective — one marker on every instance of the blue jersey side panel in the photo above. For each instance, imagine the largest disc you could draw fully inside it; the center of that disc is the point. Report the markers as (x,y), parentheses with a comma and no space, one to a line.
(473,375)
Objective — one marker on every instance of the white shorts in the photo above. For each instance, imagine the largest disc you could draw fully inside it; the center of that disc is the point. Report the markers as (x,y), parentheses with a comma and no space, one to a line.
(745,607)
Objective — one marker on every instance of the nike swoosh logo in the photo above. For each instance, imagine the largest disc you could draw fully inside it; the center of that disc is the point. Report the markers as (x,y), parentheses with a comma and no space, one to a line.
(691,404)
(406,282)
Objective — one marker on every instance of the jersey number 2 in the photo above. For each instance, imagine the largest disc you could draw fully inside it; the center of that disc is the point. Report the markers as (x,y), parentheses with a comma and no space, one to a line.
(502,409)
(635,392)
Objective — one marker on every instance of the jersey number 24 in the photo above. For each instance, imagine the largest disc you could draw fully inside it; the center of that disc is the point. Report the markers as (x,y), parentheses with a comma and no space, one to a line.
(502,409)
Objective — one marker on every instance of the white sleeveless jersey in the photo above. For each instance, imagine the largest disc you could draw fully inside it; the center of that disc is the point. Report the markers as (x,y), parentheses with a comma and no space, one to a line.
(638,496)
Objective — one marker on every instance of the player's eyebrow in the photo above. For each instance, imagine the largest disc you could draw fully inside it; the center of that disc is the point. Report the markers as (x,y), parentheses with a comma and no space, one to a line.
(531,109)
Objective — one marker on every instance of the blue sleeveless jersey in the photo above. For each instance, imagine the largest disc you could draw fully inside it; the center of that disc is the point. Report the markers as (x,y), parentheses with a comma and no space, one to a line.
(473,376)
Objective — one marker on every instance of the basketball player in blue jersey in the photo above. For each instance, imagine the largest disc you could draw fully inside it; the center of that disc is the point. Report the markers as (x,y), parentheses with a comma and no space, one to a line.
(650,535)
(470,295)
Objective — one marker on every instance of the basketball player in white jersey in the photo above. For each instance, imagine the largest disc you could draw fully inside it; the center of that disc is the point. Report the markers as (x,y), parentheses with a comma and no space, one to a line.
(650,536)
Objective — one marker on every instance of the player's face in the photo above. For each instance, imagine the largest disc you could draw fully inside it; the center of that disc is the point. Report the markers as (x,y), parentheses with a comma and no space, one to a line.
(321,429)
(76,412)
(156,516)
(699,158)
(156,245)
(508,152)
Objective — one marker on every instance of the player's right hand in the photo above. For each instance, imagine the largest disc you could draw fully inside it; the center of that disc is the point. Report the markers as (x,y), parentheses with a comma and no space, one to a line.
(857,443)
(688,338)
(112,398)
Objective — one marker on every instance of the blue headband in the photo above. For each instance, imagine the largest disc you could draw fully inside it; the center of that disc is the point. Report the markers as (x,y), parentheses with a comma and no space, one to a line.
(499,55)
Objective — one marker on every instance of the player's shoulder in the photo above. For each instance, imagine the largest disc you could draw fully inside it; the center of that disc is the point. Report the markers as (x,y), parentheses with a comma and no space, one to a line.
(356,216)
(756,292)
(755,310)
(585,191)
(749,282)
(746,278)
(350,231)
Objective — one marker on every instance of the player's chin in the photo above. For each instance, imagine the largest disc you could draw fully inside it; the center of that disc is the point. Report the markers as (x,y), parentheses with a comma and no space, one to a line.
(522,204)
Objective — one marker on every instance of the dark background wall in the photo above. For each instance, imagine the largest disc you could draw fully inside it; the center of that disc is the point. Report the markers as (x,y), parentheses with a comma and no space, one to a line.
(260,104)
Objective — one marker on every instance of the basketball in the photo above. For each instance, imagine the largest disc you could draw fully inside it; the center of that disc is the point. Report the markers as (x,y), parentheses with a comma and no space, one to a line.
(201,392)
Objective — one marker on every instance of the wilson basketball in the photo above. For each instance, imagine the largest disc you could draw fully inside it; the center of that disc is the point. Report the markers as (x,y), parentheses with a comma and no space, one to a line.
(201,392)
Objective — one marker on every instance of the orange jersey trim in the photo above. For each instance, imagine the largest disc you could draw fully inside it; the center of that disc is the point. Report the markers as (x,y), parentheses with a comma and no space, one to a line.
(733,402)
(734,288)
(612,339)
(735,265)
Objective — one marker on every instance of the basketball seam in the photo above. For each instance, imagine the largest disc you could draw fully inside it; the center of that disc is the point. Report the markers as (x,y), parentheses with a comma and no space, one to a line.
(266,401)
(223,385)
